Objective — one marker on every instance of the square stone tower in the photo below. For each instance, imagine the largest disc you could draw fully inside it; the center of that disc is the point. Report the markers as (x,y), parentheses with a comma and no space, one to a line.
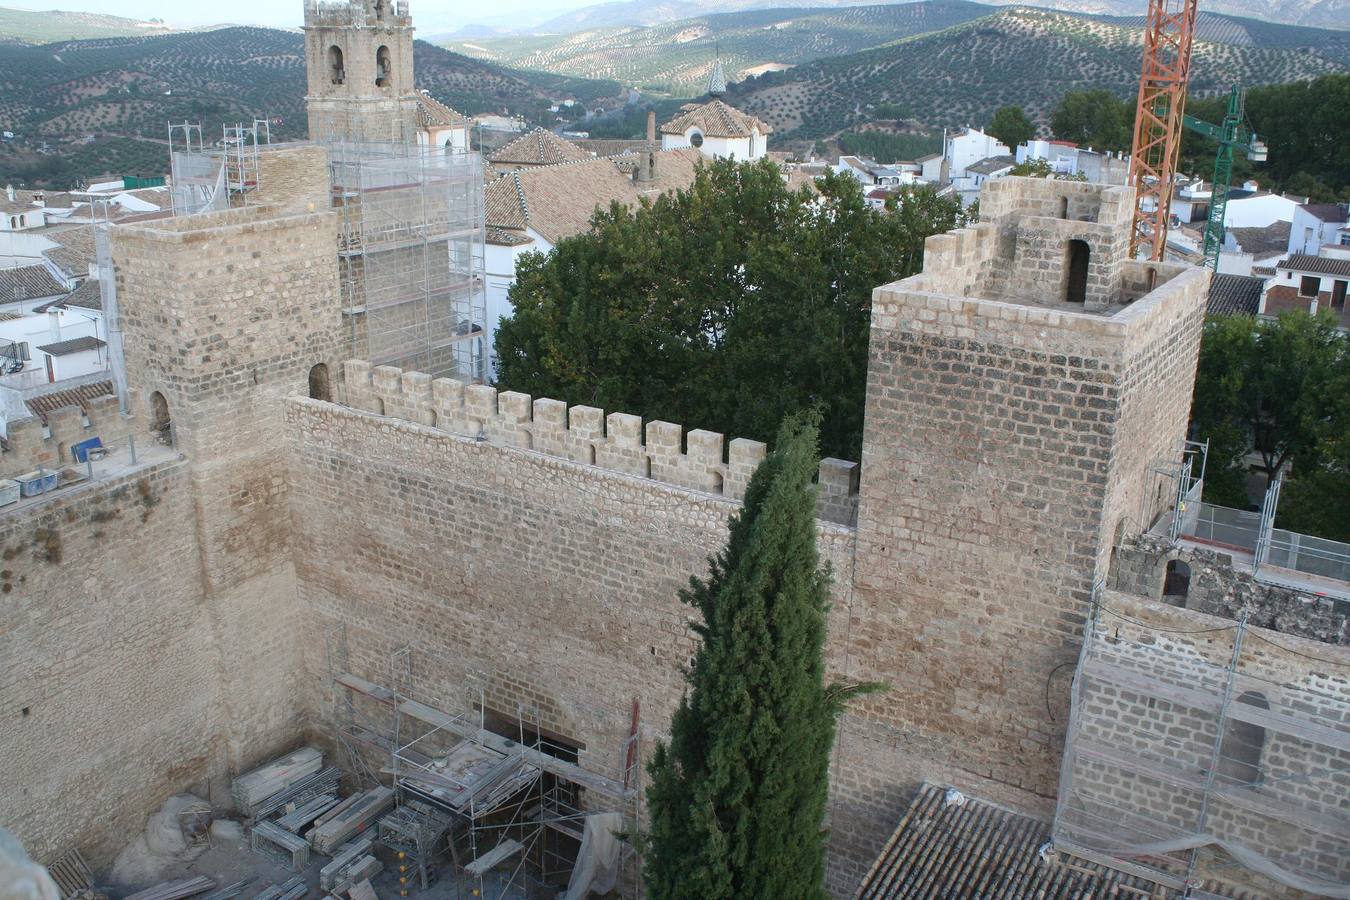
(359,72)
(1019,391)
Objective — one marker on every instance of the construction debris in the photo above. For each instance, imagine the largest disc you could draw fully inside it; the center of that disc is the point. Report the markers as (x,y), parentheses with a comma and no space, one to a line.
(363,891)
(175,890)
(253,790)
(301,816)
(300,791)
(71,874)
(174,834)
(343,859)
(353,820)
(291,890)
(270,838)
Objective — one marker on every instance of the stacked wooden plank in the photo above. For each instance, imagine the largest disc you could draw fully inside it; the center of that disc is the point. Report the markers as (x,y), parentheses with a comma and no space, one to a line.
(356,818)
(363,869)
(228,891)
(253,790)
(291,890)
(175,890)
(307,788)
(268,837)
(343,859)
(71,874)
(302,815)
(489,859)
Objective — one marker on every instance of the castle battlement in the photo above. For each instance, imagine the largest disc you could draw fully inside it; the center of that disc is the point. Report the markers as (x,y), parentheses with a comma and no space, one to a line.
(356,12)
(31,443)
(662,451)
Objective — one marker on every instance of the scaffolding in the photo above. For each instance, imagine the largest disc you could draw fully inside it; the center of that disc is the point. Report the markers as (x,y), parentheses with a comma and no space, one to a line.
(507,814)
(410,256)
(1196,751)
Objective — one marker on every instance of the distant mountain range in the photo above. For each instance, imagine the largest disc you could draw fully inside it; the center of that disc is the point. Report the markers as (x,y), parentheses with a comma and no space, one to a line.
(26,26)
(103,105)
(1023,56)
(675,58)
(633,13)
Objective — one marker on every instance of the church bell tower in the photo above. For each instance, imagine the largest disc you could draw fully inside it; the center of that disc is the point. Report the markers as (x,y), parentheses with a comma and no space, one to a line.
(359,66)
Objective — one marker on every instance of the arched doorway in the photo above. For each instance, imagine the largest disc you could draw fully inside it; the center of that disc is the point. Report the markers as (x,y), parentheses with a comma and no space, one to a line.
(320,388)
(160,423)
(1075,290)
(383,67)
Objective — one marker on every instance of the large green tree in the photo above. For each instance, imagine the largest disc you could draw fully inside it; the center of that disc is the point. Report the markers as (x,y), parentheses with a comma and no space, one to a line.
(1097,119)
(737,799)
(1011,126)
(723,306)
(1278,388)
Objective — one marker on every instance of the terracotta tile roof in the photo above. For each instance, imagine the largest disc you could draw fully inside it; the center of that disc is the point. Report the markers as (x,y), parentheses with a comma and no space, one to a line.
(86,296)
(74,345)
(79,396)
(1235,295)
(608,147)
(1328,212)
(538,148)
(969,848)
(28,283)
(432,113)
(716,119)
(503,238)
(558,201)
(75,250)
(1266,241)
(1322,265)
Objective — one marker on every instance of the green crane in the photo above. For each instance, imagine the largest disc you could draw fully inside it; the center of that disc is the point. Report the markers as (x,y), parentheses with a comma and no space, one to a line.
(1232,133)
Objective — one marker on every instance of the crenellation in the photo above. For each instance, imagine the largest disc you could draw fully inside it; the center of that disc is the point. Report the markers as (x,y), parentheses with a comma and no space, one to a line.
(616,441)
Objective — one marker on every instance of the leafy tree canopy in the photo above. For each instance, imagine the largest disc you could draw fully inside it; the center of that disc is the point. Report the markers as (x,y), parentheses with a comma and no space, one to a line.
(724,306)
(1011,126)
(737,800)
(1096,119)
(1282,389)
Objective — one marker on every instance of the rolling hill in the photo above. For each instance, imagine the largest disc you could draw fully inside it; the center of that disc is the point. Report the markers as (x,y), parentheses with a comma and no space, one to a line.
(25,26)
(110,99)
(675,58)
(1021,56)
(639,13)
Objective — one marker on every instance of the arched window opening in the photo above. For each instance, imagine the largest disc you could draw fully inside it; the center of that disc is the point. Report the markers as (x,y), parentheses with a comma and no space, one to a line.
(1063,207)
(1076,288)
(1177,582)
(383,67)
(337,73)
(718,486)
(379,10)
(319,386)
(159,418)
(696,139)
(14,223)
(1243,743)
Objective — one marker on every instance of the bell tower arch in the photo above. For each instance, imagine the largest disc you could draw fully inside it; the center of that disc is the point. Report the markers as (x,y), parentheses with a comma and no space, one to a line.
(359,71)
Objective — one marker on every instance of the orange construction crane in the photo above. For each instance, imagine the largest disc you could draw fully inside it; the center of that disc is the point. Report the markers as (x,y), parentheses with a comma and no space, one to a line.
(1168,34)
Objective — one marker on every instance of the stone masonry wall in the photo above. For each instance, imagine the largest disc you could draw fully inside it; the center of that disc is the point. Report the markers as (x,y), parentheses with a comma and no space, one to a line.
(32,444)
(110,691)
(1220,587)
(1148,716)
(541,580)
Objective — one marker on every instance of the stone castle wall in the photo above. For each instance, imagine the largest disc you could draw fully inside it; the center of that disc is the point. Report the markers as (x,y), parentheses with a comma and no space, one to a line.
(31,444)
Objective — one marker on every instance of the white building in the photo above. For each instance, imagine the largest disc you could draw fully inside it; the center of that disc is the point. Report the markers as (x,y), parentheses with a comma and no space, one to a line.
(969,146)
(19,213)
(1315,225)
(441,126)
(717,131)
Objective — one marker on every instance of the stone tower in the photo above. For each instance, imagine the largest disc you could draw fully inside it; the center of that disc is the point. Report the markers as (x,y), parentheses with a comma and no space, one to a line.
(359,68)
(1021,392)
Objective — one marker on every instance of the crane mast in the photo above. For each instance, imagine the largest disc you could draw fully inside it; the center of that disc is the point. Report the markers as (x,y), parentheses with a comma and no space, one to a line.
(1169,33)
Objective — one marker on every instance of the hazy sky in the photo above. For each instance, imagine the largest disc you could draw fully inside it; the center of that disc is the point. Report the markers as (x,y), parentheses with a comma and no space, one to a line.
(430,16)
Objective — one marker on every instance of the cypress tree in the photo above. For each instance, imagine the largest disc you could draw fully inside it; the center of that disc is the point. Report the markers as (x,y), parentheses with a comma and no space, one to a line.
(737,800)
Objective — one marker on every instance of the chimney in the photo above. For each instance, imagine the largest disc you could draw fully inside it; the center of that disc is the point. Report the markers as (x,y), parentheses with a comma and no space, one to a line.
(651,126)
(11,193)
